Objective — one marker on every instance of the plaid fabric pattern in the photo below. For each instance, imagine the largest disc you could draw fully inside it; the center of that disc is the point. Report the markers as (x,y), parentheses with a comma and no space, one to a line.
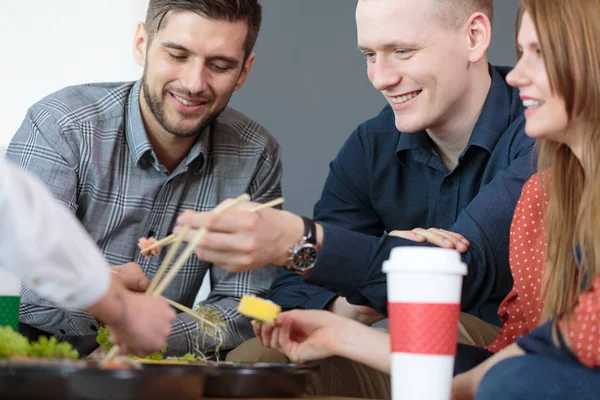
(88,143)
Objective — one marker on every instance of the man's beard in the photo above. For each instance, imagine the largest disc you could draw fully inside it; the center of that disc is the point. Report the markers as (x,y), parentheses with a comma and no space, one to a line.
(156,106)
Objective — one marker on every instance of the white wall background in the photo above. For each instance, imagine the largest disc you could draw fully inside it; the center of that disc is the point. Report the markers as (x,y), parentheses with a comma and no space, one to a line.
(50,44)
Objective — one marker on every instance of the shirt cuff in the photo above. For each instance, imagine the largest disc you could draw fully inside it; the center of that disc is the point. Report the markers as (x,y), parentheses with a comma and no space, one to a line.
(340,265)
(320,301)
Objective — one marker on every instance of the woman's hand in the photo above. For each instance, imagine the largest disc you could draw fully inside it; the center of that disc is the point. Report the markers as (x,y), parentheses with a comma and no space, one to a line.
(302,335)
(439,237)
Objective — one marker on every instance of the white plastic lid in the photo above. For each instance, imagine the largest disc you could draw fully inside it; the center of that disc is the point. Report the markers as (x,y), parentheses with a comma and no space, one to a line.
(425,259)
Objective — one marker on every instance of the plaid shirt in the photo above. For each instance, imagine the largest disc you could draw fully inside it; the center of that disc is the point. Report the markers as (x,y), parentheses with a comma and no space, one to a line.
(88,143)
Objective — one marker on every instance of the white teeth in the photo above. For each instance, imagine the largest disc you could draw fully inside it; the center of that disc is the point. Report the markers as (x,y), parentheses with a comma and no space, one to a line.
(532,103)
(184,101)
(404,99)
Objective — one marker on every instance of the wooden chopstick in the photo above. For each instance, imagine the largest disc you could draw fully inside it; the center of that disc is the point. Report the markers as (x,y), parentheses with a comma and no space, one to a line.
(162,242)
(167,240)
(191,312)
(187,252)
(111,353)
(168,258)
(268,204)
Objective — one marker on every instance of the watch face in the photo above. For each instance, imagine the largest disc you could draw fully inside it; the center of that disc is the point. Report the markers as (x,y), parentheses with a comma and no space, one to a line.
(305,258)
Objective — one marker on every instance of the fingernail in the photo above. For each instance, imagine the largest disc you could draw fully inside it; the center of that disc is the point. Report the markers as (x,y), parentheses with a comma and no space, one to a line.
(447,242)
(143,284)
(465,241)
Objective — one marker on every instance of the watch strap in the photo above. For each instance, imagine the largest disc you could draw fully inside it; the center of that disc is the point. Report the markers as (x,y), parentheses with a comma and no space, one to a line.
(310,230)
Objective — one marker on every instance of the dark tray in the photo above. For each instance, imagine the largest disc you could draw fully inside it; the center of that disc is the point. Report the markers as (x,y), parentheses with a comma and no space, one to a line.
(32,383)
(181,382)
(73,383)
(257,379)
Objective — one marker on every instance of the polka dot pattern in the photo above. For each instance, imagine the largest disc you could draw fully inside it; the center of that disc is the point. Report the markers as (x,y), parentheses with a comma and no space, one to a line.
(584,325)
(521,310)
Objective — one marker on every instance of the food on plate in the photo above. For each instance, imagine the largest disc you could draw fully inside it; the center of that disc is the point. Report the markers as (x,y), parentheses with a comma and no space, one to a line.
(258,308)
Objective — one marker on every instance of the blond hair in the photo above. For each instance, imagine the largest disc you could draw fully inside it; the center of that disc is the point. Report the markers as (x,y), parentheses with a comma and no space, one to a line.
(569,36)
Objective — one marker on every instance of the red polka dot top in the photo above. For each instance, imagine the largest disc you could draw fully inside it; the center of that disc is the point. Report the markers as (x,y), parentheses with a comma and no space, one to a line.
(520,312)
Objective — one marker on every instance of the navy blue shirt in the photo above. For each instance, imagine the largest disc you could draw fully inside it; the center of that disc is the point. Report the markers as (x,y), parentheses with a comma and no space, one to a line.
(384,180)
(540,341)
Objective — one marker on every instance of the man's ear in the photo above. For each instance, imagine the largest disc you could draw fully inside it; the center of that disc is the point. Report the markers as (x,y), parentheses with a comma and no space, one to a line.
(245,71)
(479,35)
(140,43)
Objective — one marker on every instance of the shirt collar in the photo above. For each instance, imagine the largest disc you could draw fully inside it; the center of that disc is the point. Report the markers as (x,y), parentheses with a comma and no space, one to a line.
(137,138)
(491,124)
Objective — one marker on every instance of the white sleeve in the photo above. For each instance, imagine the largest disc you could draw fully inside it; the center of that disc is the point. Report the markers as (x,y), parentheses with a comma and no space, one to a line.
(42,242)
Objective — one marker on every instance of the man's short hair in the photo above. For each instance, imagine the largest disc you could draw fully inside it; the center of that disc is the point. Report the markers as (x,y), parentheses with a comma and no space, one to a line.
(220,10)
(455,13)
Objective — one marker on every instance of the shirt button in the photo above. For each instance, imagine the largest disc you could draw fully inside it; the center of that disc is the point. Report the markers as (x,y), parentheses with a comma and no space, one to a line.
(448,183)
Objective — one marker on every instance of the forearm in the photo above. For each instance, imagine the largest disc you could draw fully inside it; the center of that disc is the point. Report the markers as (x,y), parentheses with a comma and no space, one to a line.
(350,265)
(111,309)
(365,345)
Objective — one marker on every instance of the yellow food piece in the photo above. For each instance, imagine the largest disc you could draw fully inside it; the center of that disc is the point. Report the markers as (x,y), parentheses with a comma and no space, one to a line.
(257,308)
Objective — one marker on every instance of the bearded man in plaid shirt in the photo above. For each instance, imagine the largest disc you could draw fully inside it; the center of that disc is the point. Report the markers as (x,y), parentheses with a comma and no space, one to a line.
(128,158)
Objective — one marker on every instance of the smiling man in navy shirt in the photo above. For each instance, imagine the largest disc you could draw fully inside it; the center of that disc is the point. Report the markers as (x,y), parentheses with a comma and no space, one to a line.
(448,152)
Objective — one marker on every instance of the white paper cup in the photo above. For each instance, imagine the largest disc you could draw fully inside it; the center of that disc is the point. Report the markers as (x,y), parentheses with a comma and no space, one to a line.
(10,292)
(424,290)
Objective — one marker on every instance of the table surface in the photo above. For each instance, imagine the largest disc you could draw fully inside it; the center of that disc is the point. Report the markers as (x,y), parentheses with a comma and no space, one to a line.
(289,398)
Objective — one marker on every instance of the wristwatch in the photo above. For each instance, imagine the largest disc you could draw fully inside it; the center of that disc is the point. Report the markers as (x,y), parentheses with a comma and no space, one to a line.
(303,255)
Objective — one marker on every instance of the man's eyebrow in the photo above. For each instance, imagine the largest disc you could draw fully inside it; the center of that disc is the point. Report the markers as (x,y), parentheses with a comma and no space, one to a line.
(176,46)
(391,46)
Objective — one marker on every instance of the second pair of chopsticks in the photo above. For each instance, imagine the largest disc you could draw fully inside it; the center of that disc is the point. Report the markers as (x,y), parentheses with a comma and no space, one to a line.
(171,238)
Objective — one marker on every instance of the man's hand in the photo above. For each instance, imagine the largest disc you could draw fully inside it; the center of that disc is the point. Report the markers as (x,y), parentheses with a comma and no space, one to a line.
(131,276)
(438,237)
(140,324)
(240,240)
(363,314)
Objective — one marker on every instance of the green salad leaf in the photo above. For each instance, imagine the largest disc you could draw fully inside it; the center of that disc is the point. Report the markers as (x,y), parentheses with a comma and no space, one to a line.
(188,357)
(103,338)
(12,343)
(51,348)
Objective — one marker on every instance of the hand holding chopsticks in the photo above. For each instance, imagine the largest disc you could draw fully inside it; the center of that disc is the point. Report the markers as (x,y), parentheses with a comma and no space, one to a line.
(239,240)
(163,278)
